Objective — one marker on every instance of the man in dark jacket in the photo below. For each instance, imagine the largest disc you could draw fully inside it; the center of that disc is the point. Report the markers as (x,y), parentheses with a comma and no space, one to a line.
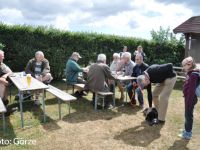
(165,79)
(39,68)
(132,87)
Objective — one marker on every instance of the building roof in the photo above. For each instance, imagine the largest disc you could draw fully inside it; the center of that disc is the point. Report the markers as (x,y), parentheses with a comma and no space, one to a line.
(191,25)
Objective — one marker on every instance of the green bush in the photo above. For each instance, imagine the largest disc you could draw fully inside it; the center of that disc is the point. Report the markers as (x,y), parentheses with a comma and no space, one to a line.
(21,43)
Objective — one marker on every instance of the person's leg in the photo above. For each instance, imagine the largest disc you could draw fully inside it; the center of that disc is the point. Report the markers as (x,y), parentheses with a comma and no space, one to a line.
(121,89)
(164,97)
(3,94)
(47,78)
(156,92)
(189,116)
(140,96)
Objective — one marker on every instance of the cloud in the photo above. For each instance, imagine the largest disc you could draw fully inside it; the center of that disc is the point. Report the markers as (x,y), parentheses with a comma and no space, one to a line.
(130,18)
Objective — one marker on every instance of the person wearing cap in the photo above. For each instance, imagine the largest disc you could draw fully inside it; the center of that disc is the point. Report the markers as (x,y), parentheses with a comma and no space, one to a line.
(4,73)
(132,88)
(72,71)
(39,68)
(190,97)
(165,78)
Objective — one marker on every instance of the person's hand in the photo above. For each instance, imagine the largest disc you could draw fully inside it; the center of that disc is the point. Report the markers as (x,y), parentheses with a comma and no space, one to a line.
(4,81)
(85,69)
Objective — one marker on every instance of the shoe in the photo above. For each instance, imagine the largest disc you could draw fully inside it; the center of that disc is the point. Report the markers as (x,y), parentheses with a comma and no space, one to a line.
(37,102)
(156,121)
(185,135)
(77,94)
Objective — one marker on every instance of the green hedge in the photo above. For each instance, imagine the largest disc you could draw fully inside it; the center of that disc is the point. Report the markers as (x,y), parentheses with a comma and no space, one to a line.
(21,43)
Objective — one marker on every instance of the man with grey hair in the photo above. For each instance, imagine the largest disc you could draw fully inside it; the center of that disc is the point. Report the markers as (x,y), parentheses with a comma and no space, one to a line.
(127,68)
(98,75)
(4,73)
(165,79)
(39,68)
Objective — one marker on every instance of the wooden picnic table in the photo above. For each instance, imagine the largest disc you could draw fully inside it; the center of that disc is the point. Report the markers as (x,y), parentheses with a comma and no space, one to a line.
(20,82)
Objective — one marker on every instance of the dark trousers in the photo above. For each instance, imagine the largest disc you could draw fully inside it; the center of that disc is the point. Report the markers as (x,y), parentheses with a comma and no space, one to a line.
(189,116)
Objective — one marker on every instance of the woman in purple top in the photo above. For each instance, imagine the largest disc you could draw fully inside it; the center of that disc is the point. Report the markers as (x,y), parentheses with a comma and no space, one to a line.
(189,88)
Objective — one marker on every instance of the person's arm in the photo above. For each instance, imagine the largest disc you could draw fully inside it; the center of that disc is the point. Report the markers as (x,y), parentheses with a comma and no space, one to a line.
(108,73)
(46,67)
(28,69)
(76,67)
(149,95)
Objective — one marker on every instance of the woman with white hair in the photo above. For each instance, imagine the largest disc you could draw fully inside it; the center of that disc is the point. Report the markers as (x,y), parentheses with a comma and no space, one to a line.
(189,88)
(115,63)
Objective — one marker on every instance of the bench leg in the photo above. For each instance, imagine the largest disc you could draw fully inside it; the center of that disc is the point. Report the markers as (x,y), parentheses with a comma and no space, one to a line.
(95,102)
(43,105)
(4,122)
(114,96)
(59,108)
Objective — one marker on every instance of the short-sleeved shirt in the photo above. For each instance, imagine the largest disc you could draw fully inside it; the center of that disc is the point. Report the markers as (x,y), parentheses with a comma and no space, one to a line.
(4,69)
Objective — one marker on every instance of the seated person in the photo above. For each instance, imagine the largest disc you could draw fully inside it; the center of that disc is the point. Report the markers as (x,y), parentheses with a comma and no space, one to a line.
(73,70)
(98,75)
(39,68)
(4,73)
(114,67)
(127,68)
(139,68)
(115,63)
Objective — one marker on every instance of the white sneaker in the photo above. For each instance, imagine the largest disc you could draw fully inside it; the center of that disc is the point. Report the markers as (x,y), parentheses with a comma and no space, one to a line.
(37,102)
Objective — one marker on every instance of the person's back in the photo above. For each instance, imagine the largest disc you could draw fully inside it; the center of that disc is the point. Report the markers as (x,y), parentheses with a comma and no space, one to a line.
(72,70)
(158,73)
(97,76)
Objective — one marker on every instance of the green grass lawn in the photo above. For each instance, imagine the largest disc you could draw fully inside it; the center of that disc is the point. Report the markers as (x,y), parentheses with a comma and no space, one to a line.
(120,128)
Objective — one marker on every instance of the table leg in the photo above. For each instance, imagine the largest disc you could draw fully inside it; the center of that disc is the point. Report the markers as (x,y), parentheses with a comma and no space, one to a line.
(43,105)
(4,122)
(21,108)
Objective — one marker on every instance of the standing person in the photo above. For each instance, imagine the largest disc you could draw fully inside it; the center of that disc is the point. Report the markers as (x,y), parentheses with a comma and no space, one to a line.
(4,73)
(139,68)
(190,97)
(98,75)
(165,79)
(72,72)
(127,68)
(139,51)
(125,49)
(39,68)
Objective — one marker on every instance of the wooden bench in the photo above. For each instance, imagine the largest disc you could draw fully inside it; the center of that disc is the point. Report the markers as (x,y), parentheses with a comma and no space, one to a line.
(61,95)
(3,111)
(79,86)
(103,95)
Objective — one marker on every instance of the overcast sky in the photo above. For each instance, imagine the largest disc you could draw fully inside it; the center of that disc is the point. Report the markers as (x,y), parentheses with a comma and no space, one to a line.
(134,18)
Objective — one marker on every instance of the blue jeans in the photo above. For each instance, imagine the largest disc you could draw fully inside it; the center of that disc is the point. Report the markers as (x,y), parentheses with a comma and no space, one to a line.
(131,93)
(189,116)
